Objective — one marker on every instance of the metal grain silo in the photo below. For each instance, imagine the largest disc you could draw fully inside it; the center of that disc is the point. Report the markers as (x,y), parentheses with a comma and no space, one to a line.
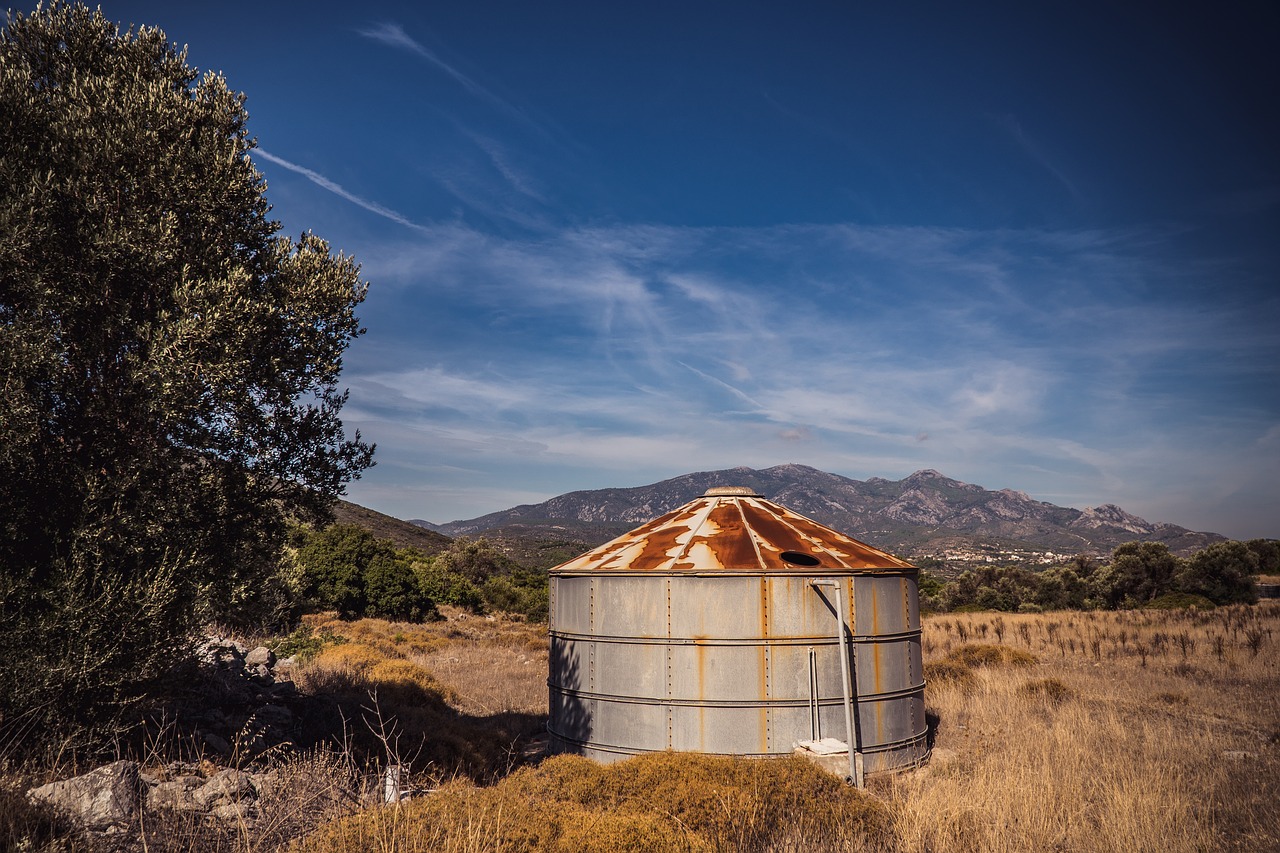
(735,626)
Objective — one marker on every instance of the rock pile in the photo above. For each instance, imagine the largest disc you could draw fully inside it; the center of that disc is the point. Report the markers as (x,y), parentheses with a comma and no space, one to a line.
(110,797)
(237,705)
(243,704)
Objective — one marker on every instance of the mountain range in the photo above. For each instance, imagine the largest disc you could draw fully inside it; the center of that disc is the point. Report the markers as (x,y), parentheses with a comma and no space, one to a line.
(923,515)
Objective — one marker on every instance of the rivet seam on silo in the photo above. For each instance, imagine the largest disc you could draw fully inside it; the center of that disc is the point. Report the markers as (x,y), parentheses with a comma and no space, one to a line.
(671,722)
(591,646)
(767,720)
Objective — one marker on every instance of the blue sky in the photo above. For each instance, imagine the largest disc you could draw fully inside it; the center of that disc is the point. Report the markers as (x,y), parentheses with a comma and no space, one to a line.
(1032,246)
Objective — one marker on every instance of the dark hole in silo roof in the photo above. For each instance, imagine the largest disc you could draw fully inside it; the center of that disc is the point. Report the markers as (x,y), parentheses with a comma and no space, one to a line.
(795,558)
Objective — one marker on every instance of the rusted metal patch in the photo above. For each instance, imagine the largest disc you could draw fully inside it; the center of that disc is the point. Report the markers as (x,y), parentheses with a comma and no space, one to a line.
(718,533)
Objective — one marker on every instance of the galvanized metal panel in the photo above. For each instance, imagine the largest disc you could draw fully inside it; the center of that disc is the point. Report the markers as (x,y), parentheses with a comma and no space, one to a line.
(630,606)
(880,606)
(717,607)
(571,612)
(639,727)
(703,673)
(797,611)
(789,671)
(569,662)
(883,667)
(631,669)
(572,716)
(723,730)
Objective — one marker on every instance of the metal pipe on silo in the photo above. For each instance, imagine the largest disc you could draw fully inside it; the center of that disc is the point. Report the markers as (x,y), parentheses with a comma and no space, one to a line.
(853,740)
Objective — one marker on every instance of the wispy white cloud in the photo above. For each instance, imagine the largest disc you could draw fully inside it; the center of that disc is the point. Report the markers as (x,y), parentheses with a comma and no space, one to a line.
(393,34)
(335,188)
(503,162)
(1036,152)
(622,355)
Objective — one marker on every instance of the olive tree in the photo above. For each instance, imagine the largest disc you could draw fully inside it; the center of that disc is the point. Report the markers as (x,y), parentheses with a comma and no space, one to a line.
(1139,572)
(168,364)
(348,570)
(1222,572)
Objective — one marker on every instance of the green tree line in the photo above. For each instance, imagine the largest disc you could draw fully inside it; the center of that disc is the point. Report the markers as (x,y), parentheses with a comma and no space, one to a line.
(1137,574)
(345,568)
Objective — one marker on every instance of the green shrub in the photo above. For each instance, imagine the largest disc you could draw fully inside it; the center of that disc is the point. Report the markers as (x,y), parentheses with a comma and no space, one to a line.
(1223,573)
(475,559)
(524,593)
(351,571)
(392,592)
(447,587)
(305,643)
(1180,601)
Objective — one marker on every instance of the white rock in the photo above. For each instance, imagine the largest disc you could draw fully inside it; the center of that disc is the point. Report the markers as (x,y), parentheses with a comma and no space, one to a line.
(108,796)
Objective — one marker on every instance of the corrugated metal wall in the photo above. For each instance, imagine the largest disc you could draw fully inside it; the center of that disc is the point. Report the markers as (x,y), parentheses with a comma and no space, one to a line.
(722,664)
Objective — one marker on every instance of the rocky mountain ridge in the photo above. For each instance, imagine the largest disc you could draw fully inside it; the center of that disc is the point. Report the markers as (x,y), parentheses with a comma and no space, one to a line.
(923,515)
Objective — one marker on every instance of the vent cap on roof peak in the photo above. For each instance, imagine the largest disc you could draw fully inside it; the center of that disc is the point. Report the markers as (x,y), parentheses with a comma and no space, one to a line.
(730,491)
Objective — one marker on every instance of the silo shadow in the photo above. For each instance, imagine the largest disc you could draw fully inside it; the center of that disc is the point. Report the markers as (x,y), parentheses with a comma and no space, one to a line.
(570,714)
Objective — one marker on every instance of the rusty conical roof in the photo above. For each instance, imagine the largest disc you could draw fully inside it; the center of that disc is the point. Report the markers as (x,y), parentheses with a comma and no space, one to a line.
(732,529)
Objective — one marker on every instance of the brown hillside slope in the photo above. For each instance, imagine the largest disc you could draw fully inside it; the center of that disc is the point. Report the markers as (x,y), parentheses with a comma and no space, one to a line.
(402,533)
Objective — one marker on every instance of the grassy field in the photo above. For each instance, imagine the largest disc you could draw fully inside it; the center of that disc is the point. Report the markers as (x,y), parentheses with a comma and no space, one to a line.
(1132,730)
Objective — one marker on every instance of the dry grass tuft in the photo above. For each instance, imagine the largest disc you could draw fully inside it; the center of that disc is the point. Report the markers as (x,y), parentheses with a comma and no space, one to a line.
(1050,689)
(950,673)
(361,669)
(660,802)
(982,654)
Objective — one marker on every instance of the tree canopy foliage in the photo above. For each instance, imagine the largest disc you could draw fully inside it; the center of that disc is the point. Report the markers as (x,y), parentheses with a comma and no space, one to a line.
(1139,574)
(1221,573)
(169,363)
(346,569)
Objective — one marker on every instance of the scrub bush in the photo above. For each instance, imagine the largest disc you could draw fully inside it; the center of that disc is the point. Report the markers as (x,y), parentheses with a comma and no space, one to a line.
(1052,690)
(657,802)
(981,654)
(1180,601)
(348,570)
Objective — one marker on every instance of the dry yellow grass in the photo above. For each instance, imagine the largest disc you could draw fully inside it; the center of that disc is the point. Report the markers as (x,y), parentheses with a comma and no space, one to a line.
(482,665)
(1138,730)
(648,804)
(1143,730)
